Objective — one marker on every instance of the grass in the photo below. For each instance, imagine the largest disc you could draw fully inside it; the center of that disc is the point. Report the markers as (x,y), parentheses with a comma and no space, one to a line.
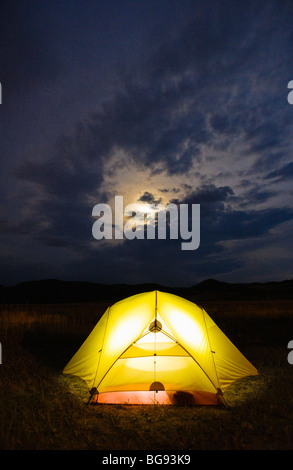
(41,409)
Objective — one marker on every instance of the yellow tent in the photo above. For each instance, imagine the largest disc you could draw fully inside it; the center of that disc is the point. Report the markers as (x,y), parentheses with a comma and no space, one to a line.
(156,347)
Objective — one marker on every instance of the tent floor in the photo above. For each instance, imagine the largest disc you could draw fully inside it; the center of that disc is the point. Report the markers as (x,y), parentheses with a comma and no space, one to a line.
(159,397)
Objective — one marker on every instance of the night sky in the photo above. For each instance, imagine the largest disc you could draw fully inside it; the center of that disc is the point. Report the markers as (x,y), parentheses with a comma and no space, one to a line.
(157,101)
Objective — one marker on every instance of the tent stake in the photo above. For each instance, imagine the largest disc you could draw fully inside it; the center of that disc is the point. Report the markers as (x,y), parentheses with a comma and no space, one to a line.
(222,399)
(92,392)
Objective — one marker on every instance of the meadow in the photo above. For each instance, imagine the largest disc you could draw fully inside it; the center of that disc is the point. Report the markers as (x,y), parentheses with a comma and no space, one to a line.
(42,409)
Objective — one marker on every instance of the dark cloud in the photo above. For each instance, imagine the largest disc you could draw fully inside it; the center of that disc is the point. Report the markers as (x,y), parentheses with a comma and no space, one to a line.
(213,33)
(194,97)
(149,198)
(68,174)
(237,225)
(284,173)
(256,195)
(219,224)
(144,122)
(171,190)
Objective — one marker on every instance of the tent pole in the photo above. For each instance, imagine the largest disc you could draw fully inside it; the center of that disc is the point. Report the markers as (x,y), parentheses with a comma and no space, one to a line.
(100,351)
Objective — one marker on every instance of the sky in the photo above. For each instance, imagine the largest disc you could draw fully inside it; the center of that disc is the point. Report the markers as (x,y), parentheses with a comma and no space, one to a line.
(182,102)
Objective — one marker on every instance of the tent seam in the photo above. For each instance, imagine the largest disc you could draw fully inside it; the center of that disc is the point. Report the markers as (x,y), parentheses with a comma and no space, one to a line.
(212,353)
(109,308)
(117,359)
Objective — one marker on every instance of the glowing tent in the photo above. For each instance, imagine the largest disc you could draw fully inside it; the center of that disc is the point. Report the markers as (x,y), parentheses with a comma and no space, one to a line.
(156,347)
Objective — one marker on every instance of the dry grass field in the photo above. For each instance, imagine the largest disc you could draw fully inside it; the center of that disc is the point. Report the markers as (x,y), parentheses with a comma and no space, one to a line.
(41,409)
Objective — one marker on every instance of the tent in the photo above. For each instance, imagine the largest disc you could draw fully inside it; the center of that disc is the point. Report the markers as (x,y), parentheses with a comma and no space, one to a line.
(156,347)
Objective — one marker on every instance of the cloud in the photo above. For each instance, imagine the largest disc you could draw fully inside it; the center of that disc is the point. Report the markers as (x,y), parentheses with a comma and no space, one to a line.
(284,173)
(226,222)
(200,118)
(68,174)
(149,198)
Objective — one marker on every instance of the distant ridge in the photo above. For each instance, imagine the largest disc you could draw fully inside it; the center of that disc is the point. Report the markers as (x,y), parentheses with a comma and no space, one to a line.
(57,291)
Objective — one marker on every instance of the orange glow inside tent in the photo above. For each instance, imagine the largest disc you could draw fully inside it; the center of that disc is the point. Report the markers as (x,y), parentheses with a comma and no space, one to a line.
(158,348)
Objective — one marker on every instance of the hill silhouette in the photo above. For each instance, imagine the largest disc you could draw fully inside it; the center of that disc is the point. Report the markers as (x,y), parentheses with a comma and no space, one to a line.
(56,291)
